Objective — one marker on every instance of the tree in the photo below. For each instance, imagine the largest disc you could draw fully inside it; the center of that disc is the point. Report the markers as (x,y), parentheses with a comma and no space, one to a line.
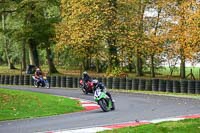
(156,15)
(10,24)
(133,30)
(85,25)
(186,40)
(125,31)
(38,28)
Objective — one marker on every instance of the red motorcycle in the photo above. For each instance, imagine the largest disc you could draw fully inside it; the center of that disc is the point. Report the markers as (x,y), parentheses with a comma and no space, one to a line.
(86,87)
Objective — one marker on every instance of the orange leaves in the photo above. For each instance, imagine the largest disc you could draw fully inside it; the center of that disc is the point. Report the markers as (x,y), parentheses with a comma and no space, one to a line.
(88,23)
(82,23)
(185,32)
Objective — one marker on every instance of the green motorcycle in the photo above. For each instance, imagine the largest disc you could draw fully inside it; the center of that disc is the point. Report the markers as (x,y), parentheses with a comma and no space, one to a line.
(103,100)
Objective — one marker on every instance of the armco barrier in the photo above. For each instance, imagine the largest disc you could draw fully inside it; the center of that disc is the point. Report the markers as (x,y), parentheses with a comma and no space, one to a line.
(148,85)
(75,82)
(109,83)
(183,86)
(32,80)
(115,83)
(135,84)
(100,79)
(122,83)
(2,79)
(58,81)
(11,79)
(53,81)
(128,84)
(169,85)
(141,85)
(48,78)
(78,81)
(191,86)
(27,80)
(155,84)
(69,82)
(7,77)
(104,81)
(21,80)
(176,86)
(63,81)
(16,80)
(197,87)
(162,85)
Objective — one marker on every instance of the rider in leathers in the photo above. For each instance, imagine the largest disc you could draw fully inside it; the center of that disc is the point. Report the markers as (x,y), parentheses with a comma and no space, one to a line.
(86,78)
(37,75)
(102,87)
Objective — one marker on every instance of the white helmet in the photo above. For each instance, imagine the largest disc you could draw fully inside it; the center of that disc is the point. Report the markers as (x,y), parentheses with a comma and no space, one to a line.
(95,81)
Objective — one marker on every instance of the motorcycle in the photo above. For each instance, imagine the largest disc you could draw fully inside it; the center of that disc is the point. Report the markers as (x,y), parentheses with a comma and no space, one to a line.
(103,100)
(41,82)
(86,87)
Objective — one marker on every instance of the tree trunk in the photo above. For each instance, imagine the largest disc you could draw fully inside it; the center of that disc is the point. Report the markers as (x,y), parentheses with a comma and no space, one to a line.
(155,34)
(111,40)
(182,65)
(33,53)
(10,64)
(52,68)
(24,56)
(113,56)
(139,63)
(152,67)
(97,63)
(6,43)
(86,59)
(130,66)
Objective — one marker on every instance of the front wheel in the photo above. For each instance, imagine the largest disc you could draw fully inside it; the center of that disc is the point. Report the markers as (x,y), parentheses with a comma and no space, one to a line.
(47,85)
(103,104)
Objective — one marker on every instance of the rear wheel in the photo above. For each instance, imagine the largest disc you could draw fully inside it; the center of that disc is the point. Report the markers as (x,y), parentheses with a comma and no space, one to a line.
(83,89)
(47,85)
(35,84)
(113,106)
(104,105)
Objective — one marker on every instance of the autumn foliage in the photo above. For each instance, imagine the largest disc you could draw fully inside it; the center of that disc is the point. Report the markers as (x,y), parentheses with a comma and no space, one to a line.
(120,33)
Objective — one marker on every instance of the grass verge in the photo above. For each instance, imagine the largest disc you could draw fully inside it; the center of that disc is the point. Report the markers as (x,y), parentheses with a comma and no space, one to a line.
(16,104)
(183,126)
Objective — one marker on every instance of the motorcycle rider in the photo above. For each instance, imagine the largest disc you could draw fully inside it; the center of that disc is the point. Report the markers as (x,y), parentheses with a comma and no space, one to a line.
(86,77)
(102,87)
(37,75)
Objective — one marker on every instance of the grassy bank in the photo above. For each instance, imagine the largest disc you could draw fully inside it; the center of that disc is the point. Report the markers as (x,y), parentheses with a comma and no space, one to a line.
(184,126)
(15,104)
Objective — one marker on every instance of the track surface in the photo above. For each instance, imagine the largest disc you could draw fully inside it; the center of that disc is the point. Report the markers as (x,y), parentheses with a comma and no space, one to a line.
(129,107)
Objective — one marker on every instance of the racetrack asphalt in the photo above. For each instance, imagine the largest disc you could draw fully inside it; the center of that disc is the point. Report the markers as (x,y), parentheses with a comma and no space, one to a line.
(129,107)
